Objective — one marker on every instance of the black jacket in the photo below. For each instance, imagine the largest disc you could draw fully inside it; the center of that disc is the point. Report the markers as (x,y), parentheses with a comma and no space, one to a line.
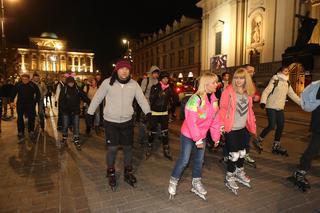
(69,99)
(315,117)
(28,94)
(159,99)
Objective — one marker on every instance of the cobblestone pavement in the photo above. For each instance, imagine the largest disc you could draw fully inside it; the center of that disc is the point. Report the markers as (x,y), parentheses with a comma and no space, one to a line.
(37,177)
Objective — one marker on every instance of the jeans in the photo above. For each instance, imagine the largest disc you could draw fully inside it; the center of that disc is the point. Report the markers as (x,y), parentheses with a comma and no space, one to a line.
(66,118)
(29,111)
(311,152)
(142,133)
(187,145)
(275,118)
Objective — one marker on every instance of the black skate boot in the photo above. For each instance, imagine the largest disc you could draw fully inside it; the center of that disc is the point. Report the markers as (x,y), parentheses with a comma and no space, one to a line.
(257,142)
(277,149)
(129,177)
(20,137)
(111,174)
(299,179)
(148,150)
(63,142)
(76,141)
(166,152)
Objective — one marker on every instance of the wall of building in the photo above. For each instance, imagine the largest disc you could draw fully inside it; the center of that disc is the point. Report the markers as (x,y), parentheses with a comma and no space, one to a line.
(175,49)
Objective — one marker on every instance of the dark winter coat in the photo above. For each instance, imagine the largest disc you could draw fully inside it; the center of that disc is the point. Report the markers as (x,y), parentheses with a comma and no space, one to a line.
(160,99)
(28,94)
(69,99)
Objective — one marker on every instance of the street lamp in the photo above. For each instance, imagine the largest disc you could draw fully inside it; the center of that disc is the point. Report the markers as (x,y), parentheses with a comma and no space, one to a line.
(125,41)
(3,40)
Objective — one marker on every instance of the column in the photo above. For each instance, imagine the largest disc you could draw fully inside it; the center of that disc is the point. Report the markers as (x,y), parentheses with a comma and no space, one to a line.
(79,64)
(23,66)
(73,68)
(47,62)
(91,64)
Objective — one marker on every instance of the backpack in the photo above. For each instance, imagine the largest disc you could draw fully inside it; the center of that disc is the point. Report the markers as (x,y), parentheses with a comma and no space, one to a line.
(275,84)
(183,106)
(309,101)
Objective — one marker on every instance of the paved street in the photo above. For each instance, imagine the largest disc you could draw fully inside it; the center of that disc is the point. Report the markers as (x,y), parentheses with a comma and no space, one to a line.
(37,177)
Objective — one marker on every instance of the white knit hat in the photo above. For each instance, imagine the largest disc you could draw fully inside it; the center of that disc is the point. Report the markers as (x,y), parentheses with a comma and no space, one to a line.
(154,68)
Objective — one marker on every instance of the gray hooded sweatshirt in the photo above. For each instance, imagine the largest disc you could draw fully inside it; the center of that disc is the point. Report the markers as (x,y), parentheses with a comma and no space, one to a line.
(119,98)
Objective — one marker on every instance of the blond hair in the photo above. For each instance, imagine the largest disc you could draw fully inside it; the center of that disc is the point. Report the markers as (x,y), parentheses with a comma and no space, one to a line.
(248,86)
(206,78)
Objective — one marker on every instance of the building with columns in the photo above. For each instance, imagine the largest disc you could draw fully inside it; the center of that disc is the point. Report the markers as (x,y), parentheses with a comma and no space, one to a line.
(252,31)
(175,49)
(48,54)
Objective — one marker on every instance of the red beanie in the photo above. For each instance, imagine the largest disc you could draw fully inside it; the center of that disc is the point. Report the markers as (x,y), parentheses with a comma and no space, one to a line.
(122,63)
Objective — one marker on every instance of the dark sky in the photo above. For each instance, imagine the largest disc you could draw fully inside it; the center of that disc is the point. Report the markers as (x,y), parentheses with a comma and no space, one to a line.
(98,25)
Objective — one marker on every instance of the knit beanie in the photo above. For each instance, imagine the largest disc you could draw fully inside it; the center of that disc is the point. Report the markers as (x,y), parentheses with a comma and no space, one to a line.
(122,63)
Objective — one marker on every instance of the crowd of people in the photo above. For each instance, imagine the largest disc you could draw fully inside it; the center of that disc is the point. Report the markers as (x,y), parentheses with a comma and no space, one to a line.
(220,112)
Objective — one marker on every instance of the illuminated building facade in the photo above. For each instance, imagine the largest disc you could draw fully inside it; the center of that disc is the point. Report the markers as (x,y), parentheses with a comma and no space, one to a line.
(175,49)
(253,31)
(48,54)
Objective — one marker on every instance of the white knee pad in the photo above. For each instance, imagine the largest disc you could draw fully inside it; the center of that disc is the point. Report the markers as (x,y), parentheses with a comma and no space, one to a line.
(242,153)
(234,156)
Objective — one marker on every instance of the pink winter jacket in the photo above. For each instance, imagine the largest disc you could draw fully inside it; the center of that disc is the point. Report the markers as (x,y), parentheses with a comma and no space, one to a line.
(228,109)
(200,116)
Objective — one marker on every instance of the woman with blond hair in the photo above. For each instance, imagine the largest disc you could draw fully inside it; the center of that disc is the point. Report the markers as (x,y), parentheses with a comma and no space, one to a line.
(238,119)
(200,116)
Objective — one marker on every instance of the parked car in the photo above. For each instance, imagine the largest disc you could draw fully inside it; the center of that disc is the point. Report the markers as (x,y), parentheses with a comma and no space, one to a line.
(184,89)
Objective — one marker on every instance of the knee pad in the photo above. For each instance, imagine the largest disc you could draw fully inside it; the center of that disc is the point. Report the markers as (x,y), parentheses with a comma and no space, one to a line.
(233,156)
(164,133)
(242,153)
(151,134)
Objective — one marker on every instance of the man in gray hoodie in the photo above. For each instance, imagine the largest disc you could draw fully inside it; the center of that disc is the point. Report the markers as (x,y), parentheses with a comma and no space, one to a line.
(146,85)
(119,92)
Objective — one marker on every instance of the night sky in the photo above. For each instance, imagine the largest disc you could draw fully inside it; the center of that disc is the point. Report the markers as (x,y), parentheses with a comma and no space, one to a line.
(98,25)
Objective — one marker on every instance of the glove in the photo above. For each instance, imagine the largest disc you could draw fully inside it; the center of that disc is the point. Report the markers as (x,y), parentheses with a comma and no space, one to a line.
(148,117)
(89,119)
(262,106)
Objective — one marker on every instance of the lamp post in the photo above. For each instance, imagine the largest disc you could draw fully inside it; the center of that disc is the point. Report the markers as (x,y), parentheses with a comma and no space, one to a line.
(3,41)
(127,56)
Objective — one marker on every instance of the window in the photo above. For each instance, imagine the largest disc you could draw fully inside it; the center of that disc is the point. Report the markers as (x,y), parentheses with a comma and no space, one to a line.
(172,44)
(172,60)
(164,47)
(191,37)
(158,61)
(157,50)
(191,56)
(164,62)
(181,56)
(218,42)
(180,41)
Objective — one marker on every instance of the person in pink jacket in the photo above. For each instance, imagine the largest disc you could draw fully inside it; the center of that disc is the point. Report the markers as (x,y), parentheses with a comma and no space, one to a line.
(238,119)
(201,115)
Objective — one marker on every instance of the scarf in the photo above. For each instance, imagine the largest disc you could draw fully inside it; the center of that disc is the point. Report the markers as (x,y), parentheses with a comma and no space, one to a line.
(164,86)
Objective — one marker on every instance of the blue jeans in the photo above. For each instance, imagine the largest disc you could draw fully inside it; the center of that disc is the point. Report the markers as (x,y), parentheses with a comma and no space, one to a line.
(275,119)
(187,145)
(75,124)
